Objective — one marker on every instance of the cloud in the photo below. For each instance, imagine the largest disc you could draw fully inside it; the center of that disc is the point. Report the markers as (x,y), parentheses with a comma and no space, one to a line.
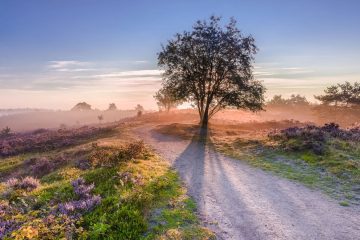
(131,74)
(281,72)
(262,73)
(291,68)
(70,66)
(140,62)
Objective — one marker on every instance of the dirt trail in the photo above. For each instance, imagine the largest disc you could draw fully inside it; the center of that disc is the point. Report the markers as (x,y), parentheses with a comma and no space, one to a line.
(241,202)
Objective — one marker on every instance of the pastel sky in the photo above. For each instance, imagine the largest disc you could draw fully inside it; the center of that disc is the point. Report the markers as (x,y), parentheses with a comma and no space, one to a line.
(55,53)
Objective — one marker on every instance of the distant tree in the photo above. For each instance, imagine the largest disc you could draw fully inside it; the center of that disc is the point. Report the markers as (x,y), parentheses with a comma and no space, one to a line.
(298,100)
(165,100)
(82,106)
(294,100)
(211,67)
(100,118)
(139,109)
(6,131)
(277,100)
(112,107)
(345,94)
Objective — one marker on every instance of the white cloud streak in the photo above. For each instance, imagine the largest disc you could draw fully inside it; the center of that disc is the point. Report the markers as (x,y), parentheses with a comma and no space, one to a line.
(70,66)
(139,73)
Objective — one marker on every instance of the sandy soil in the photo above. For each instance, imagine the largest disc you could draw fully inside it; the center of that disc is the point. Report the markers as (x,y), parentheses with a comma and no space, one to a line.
(238,201)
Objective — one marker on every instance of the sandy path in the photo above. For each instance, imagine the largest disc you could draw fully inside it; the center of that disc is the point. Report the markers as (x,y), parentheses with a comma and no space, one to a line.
(241,202)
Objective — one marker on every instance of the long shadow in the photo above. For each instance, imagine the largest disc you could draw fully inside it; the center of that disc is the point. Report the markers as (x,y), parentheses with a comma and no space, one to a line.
(163,137)
(190,165)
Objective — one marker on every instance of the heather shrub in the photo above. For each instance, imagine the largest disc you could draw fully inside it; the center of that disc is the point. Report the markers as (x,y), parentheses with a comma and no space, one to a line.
(110,157)
(7,224)
(44,140)
(5,132)
(28,184)
(49,227)
(129,178)
(40,166)
(313,138)
(102,157)
(7,227)
(82,163)
(131,151)
(84,201)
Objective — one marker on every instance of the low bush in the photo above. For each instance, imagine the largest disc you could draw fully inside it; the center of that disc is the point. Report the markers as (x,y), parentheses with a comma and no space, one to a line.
(40,166)
(84,201)
(5,132)
(313,138)
(23,219)
(44,140)
(110,157)
(28,184)
(7,225)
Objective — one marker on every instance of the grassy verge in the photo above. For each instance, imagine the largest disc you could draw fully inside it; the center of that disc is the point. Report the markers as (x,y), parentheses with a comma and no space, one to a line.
(140,197)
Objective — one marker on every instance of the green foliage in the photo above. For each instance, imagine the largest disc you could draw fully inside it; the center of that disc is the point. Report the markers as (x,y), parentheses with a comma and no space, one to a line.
(110,157)
(5,132)
(293,101)
(112,107)
(81,106)
(104,179)
(345,94)
(165,100)
(112,220)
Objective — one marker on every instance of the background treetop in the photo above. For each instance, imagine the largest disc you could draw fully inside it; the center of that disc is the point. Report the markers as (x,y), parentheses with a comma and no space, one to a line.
(345,94)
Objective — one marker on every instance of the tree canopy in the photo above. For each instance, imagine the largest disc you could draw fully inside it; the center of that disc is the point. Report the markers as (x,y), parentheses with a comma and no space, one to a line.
(112,107)
(165,100)
(139,108)
(82,106)
(345,94)
(294,100)
(211,67)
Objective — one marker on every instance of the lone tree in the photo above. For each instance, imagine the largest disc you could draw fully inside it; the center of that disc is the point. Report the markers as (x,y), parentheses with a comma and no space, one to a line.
(139,109)
(345,94)
(100,118)
(165,100)
(6,131)
(82,106)
(211,67)
(112,107)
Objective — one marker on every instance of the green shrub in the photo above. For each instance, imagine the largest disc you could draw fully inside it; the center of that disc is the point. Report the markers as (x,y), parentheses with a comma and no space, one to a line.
(111,157)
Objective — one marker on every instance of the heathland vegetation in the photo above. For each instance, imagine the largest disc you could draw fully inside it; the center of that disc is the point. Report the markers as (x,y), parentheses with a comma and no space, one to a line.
(90,183)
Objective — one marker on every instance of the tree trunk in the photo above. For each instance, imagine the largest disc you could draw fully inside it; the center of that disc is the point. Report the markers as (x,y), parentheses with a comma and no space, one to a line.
(205,118)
